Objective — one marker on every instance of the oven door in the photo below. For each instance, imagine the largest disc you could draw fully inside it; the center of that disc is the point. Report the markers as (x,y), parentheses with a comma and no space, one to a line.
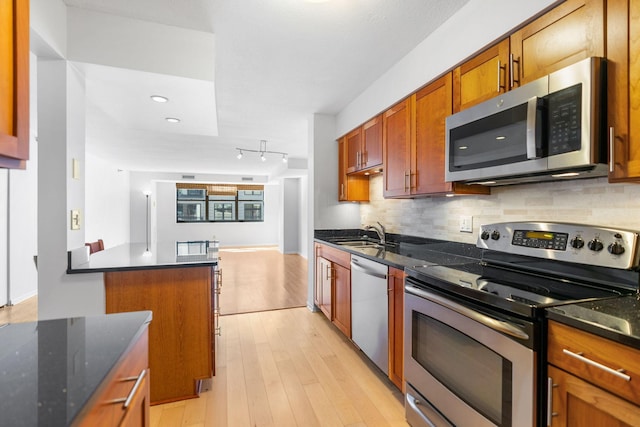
(467,367)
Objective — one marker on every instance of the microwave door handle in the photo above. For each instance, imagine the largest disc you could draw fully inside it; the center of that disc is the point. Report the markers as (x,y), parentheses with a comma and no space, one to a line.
(532,129)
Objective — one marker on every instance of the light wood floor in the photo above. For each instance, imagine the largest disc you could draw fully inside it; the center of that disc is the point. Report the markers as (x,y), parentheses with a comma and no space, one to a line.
(25,311)
(259,279)
(287,368)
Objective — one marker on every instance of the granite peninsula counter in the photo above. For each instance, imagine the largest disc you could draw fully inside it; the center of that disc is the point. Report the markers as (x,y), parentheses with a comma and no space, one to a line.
(54,372)
(179,283)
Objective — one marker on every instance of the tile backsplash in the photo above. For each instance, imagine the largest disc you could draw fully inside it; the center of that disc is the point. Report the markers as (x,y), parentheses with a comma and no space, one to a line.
(589,201)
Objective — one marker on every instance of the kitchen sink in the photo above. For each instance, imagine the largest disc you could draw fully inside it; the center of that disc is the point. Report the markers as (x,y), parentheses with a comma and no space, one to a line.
(360,244)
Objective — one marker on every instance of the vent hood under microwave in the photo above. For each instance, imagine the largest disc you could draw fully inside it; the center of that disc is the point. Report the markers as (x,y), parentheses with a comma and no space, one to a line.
(549,129)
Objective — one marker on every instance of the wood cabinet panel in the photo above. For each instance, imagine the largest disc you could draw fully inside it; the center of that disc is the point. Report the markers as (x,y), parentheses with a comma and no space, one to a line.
(181,332)
(396,327)
(603,351)
(14,83)
(623,71)
(372,143)
(334,255)
(351,188)
(323,286)
(482,77)
(353,149)
(570,32)
(107,407)
(396,141)
(576,403)
(342,299)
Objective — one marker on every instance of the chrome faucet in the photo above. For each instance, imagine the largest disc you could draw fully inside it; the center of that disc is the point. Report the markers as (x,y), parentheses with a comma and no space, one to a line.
(379,231)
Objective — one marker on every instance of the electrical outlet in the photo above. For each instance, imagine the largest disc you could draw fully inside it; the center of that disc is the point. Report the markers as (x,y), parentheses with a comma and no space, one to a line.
(466,224)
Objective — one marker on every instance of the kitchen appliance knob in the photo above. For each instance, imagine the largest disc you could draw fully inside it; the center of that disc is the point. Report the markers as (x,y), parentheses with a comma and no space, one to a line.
(616,248)
(495,235)
(595,245)
(484,235)
(577,242)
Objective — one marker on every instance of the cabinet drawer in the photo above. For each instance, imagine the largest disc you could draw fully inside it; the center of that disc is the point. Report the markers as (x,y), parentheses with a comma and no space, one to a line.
(614,367)
(107,408)
(342,258)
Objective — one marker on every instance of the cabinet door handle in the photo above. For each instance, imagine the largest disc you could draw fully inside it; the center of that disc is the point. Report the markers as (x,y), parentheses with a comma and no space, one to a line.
(618,373)
(406,174)
(550,413)
(500,86)
(342,191)
(611,148)
(512,79)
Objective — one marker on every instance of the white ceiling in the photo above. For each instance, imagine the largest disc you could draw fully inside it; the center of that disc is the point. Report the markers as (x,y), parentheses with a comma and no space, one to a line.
(277,62)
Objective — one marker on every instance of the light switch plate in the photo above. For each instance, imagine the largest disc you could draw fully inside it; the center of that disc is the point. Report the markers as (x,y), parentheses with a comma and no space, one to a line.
(75,169)
(75,219)
(466,224)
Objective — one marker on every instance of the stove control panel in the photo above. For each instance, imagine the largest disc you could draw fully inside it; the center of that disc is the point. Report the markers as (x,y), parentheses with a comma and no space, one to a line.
(569,242)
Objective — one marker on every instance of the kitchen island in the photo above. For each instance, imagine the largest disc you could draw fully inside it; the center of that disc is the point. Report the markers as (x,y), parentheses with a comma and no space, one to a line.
(60,372)
(178,285)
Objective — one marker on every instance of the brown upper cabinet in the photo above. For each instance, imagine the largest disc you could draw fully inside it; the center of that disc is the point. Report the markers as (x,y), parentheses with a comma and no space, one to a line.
(432,105)
(396,149)
(14,83)
(623,70)
(364,146)
(351,188)
(414,144)
(572,31)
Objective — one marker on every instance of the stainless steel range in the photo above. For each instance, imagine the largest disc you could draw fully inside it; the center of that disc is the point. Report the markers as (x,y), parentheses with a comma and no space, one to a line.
(475,332)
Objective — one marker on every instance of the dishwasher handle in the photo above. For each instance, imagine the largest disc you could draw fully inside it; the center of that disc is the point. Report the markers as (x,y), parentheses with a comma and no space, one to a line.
(358,267)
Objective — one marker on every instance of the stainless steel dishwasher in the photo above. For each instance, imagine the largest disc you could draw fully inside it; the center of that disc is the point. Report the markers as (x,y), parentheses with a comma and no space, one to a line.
(370,310)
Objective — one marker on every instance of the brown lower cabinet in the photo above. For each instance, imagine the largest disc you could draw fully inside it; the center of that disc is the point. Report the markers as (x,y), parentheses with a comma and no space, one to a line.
(333,275)
(181,344)
(583,391)
(126,398)
(396,327)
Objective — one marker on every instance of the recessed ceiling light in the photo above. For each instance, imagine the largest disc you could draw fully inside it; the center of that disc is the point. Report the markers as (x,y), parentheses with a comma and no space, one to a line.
(172,120)
(499,138)
(159,98)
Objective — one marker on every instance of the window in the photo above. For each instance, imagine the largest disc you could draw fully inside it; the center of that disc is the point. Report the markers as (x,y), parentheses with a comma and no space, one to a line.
(219,203)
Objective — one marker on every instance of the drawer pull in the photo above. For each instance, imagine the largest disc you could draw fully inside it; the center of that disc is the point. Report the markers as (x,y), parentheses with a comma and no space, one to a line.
(127,400)
(618,373)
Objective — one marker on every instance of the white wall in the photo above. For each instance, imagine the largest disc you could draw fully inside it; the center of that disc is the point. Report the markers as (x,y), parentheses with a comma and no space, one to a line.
(290,222)
(230,234)
(477,24)
(61,127)
(23,211)
(328,212)
(107,202)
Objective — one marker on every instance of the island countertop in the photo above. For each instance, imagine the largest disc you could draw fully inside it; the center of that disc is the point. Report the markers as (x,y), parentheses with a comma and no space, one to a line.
(49,370)
(139,256)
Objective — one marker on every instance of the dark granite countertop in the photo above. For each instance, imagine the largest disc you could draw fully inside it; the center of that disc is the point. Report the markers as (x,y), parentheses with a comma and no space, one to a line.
(139,256)
(401,250)
(50,369)
(617,319)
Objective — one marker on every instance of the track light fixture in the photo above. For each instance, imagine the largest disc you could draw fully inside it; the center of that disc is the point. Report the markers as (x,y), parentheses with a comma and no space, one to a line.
(262,150)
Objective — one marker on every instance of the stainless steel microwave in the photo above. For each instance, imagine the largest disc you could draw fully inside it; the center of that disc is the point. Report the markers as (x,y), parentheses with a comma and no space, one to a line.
(549,129)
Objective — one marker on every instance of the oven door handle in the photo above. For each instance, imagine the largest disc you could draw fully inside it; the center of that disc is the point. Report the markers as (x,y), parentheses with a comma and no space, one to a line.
(490,322)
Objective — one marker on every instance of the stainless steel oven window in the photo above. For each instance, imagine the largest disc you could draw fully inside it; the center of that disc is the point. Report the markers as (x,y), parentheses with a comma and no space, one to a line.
(475,373)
